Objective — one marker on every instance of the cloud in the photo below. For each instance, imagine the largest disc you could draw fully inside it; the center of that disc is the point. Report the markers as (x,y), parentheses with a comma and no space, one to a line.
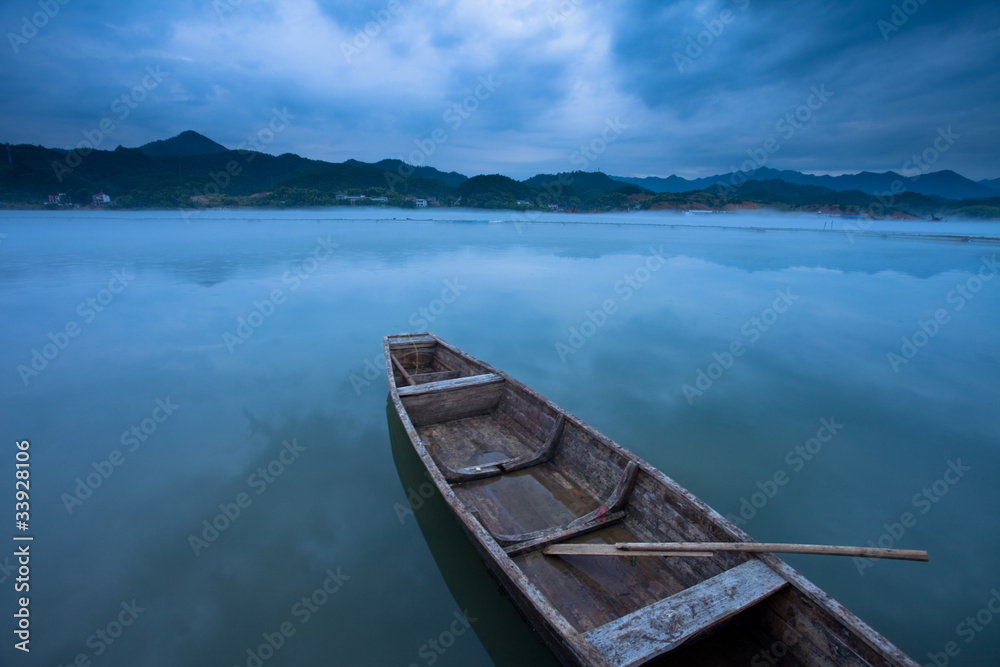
(696,82)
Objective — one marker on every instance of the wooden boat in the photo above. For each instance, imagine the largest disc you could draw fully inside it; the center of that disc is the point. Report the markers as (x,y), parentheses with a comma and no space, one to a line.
(521,475)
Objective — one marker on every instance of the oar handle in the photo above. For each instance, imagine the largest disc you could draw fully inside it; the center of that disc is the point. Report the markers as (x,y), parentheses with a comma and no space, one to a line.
(773,547)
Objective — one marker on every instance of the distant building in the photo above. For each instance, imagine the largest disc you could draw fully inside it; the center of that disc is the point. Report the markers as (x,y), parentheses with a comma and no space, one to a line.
(101,199)
(421,203)
(61,199)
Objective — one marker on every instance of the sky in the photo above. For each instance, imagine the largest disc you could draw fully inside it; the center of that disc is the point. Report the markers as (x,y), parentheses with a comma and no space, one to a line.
(516,87)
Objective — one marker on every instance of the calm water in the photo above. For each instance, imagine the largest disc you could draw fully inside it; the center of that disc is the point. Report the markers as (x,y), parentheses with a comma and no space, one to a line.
(230,364)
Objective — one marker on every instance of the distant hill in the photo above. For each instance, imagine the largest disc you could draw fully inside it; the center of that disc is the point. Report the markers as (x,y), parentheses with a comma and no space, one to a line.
(452,178)
(945,184)
(192,171)
(185,144)
(494,191)
(581,186)
(135,179)
(991,183)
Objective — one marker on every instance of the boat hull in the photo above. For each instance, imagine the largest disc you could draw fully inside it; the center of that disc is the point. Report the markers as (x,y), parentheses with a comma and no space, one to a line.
(520,473)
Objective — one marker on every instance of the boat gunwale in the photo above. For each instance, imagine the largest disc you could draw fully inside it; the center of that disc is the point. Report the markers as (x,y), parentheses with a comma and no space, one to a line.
(563,631)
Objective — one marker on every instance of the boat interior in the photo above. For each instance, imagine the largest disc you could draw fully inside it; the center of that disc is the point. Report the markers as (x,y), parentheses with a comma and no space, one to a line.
(533,477)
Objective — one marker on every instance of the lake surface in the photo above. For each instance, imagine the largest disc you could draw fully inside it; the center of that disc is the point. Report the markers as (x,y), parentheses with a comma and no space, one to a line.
(212,464)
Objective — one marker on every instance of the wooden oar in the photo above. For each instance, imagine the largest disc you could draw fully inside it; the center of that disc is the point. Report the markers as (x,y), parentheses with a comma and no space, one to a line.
(406,376)
(707,548)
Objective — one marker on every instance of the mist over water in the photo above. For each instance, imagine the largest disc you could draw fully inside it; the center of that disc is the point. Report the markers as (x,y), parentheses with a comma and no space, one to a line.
(211,445)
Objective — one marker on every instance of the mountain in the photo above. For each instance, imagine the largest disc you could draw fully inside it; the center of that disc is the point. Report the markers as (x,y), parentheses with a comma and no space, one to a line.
(136,179)
(945,184)
(581,186)
(991,183)
(452,178)
(185,144)
(494,191)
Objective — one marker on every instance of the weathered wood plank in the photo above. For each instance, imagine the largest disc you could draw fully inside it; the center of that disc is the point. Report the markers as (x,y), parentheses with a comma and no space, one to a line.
(473,441)
(544,453)
(451,399)
(613,550)
(600,517)
(775,548)
(424,378)
(590,592)
(615,502)
(406,376)
(404,340)
(446,385)
(484,471)
(522,544)
(665,625)
(469,474)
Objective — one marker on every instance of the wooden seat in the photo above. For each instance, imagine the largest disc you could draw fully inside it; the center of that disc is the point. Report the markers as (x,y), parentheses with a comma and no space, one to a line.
(448,385)
(665,625)
(446,400)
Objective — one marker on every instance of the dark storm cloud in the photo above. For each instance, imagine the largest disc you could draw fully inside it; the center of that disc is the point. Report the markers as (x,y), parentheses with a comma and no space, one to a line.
(695,85)
(893,83)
